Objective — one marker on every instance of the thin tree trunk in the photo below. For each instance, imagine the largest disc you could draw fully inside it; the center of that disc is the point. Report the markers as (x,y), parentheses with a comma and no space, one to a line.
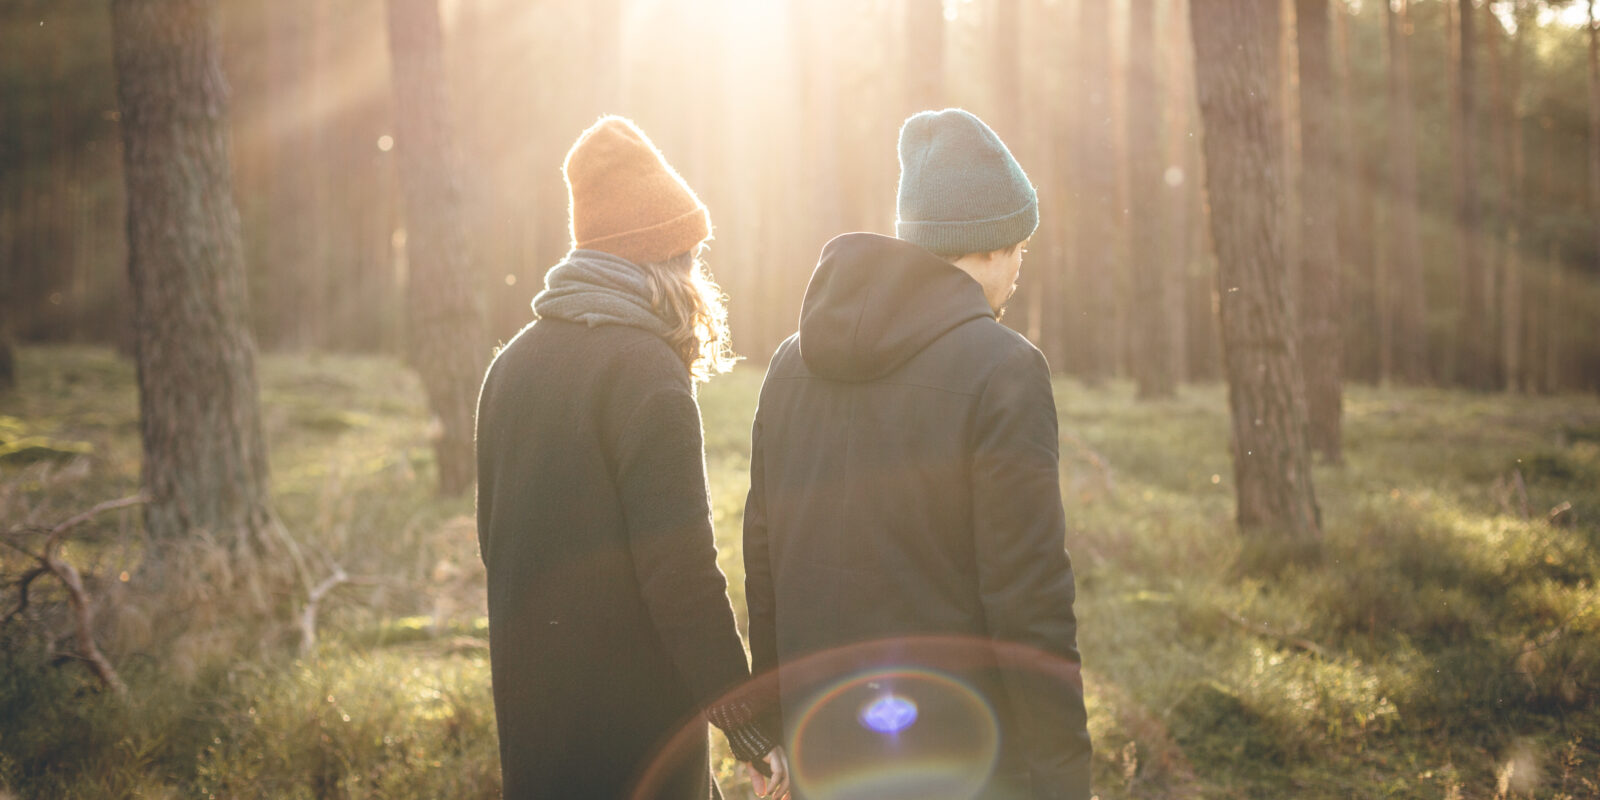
(1594,127)
(1321,310)
(1151,363)
(1405,307)
(1475,321)
(1238,85)
(1177,185)
(1358,294)
(447,342)
(1094,233)
(1513,339)
(205,464)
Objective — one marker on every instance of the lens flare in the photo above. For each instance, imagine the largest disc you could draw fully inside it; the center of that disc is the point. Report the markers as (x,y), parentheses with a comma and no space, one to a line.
(894,733)
(889,714)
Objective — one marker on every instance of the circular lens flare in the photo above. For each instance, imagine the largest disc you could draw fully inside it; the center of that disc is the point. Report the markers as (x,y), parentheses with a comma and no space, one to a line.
(861,738)
(889,714)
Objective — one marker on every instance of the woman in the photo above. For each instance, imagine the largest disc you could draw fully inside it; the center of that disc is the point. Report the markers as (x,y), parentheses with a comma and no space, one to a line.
(609,624)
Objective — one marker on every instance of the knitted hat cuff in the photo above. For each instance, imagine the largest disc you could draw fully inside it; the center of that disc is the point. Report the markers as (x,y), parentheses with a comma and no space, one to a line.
(962,237)
(657,242)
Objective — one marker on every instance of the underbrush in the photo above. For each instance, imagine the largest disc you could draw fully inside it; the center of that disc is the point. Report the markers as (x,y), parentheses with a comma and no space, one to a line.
(1446,644)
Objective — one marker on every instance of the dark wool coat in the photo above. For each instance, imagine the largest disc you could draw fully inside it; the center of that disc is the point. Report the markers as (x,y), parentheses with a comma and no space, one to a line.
(609,622)
(904,483)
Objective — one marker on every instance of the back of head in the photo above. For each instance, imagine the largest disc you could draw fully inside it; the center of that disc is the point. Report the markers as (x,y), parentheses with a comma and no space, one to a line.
(961,191)
(626,200)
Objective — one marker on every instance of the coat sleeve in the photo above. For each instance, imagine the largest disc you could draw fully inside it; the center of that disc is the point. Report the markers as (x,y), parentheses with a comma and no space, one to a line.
(758,589)
(1024,574)
(662,483)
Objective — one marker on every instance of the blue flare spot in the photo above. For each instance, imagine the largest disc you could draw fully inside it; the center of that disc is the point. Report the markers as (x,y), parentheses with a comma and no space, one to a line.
(889,714)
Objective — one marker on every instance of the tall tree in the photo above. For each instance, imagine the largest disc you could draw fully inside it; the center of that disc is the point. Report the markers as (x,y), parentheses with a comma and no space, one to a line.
(1594,126)
(1321,337)
(1475,321)
(1405,343)
(1094,186)
(205,464)
(1151,362)
(447,342)
(1513,341)
(1178,182)
(1236,76)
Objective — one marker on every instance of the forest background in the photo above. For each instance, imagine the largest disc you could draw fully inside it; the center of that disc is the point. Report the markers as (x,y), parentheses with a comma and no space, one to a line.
(1346,243)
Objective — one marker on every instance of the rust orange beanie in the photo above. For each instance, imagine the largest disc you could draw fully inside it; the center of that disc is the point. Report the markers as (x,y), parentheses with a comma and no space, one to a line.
(623,198)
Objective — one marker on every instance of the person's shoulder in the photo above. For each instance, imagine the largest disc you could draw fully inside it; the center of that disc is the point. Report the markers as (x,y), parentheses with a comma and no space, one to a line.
(786,359)
(553,349)
(990,342)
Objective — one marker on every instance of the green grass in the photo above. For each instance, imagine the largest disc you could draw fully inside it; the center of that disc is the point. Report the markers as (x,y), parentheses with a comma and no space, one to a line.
(1443,647)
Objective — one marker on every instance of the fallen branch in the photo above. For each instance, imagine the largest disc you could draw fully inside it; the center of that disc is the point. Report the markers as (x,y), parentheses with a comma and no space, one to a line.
(308,614)
(82,605)
(23,583)
(1262,629)
(1560,515)
(314,598)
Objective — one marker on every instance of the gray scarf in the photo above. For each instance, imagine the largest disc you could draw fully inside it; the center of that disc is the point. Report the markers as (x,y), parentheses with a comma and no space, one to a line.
(598,288)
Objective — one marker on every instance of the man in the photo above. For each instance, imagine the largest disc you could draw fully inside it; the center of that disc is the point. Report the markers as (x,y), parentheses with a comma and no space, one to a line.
(905,496)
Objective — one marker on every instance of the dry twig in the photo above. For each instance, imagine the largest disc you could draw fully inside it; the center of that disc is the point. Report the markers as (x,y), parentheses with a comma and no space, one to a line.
(82,605)
(314,598)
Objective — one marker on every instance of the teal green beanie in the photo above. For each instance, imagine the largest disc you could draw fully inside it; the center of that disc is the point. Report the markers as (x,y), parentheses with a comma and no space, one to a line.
(960,190)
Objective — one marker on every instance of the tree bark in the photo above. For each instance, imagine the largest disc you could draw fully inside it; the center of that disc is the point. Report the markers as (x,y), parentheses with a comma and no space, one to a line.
(1475,321)
(1404,299)
(1177,184)
(1513,341)
(447,342)
(1237,81)
(205,464)
(1594,127)
(1094,224)
(1357,223)
(1151,362)
(1321,336)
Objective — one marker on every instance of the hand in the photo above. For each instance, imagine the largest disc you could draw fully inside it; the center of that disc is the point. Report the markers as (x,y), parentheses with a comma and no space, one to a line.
(777,786)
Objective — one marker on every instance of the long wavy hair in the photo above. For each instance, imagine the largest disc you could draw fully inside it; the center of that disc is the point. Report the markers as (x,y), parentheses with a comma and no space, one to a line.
(684,294)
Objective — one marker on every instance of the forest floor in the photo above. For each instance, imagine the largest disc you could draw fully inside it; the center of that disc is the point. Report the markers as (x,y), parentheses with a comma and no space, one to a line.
(1446,646)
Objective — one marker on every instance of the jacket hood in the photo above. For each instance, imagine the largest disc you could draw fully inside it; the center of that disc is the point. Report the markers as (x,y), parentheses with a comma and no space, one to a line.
(875,301)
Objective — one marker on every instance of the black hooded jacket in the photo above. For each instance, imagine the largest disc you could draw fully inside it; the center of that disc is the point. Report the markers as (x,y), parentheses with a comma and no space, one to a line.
(904,484)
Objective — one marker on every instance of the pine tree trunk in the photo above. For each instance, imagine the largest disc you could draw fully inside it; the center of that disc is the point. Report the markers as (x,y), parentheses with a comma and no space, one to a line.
(205,464)
(447,343)
(1475,320)
(1238,85)
(1177,186)
(1594,128)
(1404,301)
(1094,223)
(1513,341)
(1357,224)
(1321,310)
(1151,363)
